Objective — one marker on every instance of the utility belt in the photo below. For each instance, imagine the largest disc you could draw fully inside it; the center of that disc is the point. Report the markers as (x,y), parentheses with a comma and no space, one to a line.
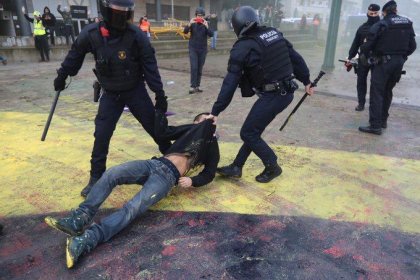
(375,60)
(282,87)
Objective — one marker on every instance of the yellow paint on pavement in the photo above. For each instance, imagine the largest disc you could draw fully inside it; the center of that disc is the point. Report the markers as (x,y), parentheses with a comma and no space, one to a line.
(44,177)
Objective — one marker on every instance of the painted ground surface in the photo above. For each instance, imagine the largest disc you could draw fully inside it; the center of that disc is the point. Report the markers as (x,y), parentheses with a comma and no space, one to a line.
(347,206)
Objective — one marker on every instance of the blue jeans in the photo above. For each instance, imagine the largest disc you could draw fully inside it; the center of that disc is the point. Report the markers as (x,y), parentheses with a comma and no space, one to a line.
(197,59)
(157,179)
(214,40)
(262,113)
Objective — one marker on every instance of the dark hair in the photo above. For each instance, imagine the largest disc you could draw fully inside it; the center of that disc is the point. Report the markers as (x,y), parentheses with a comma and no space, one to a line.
(196,118)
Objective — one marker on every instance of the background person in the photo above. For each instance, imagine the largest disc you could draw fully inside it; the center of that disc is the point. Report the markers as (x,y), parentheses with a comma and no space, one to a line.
(197,46)
(49,20)
(40,35)
(68,24)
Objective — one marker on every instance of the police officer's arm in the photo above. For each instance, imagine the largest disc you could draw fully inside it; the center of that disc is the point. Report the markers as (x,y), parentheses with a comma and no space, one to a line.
(300,69)
(75,57)
(151,72)
(237,60)
(209,172)
(412,45)
(374,32)
(355,45)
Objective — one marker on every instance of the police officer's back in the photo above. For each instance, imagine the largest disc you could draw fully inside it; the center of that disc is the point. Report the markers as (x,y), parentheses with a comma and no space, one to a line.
(261,61)
(124,60)
(391,41)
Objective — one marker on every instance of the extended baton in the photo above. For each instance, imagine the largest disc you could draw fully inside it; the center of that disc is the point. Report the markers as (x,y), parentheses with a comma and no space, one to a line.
(313,84)
(47,124)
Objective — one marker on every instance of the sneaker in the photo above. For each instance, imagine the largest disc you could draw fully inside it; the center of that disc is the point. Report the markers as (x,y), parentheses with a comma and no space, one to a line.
(73,225)
(86,190)
(270,172)
(370,129)
(359,107)
(192,90)
(230,171)
(76,247)
(197,89)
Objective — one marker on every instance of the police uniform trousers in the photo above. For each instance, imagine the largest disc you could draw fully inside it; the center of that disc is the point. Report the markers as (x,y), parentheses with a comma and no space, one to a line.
(383,79)
(111,106)
(262,113)
(362,73)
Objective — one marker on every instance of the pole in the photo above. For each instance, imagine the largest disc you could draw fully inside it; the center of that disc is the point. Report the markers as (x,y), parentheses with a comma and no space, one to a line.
(172,9)
(332,35)
(158,11)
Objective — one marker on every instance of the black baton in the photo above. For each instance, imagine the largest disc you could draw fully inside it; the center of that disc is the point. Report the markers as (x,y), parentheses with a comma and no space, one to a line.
(313,84)
(47,124)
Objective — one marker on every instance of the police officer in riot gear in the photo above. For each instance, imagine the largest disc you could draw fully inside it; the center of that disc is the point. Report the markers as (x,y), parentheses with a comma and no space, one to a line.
(363,66)
(261,61)
(124,61)
(391,41)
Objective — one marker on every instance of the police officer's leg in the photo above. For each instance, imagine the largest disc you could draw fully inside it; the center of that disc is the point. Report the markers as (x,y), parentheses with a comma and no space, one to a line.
(142,108)
(109,111)
(396,65)
(379,79)
(261,115)
(194,67)
(362,73)
(45,47)
(201,60)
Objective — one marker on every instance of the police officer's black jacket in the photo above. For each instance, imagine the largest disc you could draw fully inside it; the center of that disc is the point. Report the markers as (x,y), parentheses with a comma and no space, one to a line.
(264,56)
(393,35)
(127,58)
(196,140)
(360,37)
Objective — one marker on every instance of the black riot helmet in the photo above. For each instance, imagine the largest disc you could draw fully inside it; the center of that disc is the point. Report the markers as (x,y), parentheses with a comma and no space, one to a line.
(117,13)
(244,19)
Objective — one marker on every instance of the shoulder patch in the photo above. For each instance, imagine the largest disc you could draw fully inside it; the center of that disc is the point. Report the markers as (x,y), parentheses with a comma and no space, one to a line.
(269,37)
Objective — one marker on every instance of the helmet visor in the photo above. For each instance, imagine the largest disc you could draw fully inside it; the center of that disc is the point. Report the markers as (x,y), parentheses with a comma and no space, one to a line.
(118,16)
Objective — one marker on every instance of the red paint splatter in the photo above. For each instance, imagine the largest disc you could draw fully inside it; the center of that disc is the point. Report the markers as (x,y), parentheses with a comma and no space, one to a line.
(194,223)
(169,250)
(334,251)
(358,258)
(266,238)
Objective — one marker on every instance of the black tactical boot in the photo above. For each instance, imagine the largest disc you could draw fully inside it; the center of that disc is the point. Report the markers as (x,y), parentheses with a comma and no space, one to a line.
(370,129)
(270,172)
(76,247)
(86,190)
(73,225)
(359,107)
(230,171)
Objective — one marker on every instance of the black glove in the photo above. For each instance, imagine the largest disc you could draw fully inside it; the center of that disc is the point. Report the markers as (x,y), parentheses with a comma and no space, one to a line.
(161,103)
(60,82)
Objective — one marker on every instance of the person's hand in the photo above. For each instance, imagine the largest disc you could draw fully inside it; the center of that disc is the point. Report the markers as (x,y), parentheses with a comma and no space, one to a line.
(60,82)
(191,21)
(185,182)
(161,103)
(347,63)
(211,117)
(309,90)
(206,24)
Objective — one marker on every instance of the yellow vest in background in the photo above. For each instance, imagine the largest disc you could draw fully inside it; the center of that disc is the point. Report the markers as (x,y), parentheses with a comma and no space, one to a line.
(39,28)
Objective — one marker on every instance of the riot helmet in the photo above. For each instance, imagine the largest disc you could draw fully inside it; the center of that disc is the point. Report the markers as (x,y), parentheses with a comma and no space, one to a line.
(117,13)
(244,19)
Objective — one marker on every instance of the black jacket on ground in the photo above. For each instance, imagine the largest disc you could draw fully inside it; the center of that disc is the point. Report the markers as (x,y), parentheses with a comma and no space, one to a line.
(197,140)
